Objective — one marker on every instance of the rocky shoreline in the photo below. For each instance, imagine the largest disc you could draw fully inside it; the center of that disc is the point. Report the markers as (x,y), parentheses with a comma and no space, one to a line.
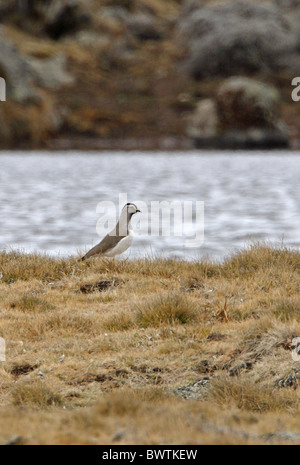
(128,144)
(164,144)
(129,75)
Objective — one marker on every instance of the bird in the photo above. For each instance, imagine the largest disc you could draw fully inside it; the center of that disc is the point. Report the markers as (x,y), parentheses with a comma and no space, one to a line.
(119,239)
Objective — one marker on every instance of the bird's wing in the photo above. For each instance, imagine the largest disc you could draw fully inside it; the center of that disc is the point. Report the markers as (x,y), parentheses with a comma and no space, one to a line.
(108,243)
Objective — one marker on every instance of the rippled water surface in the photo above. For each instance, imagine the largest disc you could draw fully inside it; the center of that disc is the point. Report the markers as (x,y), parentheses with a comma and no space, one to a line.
(48,200)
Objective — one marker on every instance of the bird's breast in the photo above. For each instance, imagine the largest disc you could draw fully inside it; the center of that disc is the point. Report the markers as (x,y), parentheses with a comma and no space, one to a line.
(121,247)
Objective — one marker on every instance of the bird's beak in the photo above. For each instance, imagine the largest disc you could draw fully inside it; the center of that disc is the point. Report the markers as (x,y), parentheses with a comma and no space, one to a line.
(138,211)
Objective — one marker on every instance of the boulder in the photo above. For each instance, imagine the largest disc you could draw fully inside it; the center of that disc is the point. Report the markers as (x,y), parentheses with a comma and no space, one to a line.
(243,102)
(50,72)
(195,391)
(245,114)
(204,121)
(16,72)
(28,116)
(237,37)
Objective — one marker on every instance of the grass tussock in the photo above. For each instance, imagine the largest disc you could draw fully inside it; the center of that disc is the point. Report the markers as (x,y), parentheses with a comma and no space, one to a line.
(251,396)
(166,310)
(31,303)
(287,308)
(118,322)
(224,333)
(35,394)
(129,402)
(17,266)
(73,323)
(259,257)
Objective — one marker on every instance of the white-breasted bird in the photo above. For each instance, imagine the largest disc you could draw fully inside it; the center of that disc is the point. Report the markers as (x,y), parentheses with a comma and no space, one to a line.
(120,238)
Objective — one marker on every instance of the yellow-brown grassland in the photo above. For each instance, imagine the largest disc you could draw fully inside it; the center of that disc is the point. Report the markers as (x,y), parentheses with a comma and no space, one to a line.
(150,351)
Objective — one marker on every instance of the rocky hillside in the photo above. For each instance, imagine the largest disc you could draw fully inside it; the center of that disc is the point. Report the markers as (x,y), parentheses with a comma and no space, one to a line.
(126,73)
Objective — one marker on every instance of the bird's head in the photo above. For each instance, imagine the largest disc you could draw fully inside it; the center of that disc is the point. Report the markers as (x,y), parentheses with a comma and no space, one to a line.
(131,209)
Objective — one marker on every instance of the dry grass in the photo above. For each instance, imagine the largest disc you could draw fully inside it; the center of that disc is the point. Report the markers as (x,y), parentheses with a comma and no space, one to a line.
(31,303)
(35,394)
(102,367)
(166,310)
(248,395)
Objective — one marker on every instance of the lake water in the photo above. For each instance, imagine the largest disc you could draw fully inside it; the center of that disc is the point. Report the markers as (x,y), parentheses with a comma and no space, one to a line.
(48,201)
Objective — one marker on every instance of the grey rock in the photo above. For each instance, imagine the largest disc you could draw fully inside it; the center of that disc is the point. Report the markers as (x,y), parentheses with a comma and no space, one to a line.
(291,380)
(204,121)
(195,390)
(50,72)
(289,436)
(119,434)
(234,38)
(244,103)
(245,114)
(17,73)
